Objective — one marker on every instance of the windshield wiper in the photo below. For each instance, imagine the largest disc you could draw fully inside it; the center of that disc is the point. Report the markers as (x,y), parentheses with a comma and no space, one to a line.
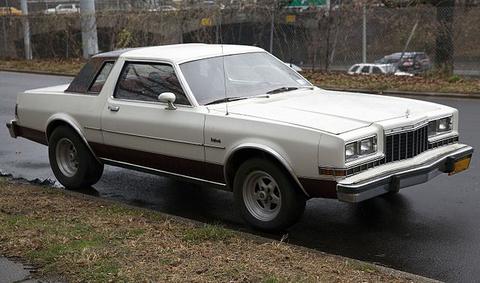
(226,99)
(287,88)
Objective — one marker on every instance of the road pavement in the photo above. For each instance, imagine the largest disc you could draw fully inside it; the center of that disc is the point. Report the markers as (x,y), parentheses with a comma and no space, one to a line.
(431,229)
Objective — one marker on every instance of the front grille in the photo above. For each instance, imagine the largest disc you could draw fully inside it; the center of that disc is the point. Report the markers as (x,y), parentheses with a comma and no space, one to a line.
(406,145)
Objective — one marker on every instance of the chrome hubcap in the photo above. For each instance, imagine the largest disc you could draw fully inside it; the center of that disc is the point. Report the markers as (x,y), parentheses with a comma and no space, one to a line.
(262,196)
(67,158)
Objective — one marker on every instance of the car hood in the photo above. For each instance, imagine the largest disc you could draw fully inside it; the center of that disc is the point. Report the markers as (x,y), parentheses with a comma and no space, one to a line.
(330,111)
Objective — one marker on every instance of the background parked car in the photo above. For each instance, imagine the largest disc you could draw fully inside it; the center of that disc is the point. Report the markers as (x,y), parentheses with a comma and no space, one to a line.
(9,11)
(294,67)
(64,9)
(376,69)
(411,62)
(368,69)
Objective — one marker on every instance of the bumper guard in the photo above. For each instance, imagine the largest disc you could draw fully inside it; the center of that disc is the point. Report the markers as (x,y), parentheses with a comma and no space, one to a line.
(13,128)
(393,181)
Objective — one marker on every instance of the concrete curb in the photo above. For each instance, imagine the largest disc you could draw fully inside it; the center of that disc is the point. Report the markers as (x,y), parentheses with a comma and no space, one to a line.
(254,237)
(369,91)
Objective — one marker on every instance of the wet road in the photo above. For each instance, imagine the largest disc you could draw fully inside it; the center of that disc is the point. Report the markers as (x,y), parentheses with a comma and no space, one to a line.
(431,229)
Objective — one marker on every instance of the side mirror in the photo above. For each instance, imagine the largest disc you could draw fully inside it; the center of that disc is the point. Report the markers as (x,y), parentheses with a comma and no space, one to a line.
(168,97)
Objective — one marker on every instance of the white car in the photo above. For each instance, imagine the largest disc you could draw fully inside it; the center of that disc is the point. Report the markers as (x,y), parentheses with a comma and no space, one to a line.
(236,118)
(376,69)
(64,9)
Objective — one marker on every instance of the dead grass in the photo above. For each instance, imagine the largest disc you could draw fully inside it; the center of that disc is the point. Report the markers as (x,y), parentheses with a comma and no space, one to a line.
(85,240)
(430,83)
(67,67)
(454,84)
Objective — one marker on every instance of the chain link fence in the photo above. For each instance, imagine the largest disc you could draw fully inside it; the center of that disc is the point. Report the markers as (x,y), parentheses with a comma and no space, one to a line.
(316,38)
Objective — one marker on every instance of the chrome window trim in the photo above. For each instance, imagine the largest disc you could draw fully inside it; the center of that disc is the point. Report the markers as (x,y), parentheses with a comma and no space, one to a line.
(149,102)
(153,62)
(89,92)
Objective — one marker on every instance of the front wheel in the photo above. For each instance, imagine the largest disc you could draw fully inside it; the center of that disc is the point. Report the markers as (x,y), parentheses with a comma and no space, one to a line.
(266,196)
(72,163)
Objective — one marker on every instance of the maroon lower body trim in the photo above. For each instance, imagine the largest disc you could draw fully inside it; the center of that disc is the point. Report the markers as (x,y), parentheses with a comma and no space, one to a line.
(193,168)
(319,188)
(31,134)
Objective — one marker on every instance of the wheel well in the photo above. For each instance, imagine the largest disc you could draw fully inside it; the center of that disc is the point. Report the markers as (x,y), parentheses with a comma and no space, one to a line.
(55,124)
(242,155)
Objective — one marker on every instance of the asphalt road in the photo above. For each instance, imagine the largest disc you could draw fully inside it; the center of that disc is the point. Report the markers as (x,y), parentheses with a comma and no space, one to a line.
(431,229)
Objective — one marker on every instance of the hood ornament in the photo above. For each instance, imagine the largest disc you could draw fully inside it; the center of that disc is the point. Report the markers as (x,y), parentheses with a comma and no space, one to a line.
(407,113)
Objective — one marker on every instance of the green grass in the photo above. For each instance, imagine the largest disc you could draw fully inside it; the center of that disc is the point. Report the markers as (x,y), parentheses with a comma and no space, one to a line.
(213,233)
(363,266)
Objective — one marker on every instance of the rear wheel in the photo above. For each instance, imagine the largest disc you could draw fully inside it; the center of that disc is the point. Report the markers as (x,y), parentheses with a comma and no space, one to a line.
(72,163)
(266,196)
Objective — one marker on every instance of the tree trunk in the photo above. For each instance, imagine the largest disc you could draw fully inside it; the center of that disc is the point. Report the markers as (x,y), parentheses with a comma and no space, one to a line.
(444,42)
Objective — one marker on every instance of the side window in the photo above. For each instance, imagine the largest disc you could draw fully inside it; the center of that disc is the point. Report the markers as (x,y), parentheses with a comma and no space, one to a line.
(146,81)
(101,78)
(365,69)
(354,69)
(376,70)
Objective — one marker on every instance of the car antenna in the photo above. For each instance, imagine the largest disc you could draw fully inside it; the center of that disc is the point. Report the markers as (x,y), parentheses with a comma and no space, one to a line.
(224,81)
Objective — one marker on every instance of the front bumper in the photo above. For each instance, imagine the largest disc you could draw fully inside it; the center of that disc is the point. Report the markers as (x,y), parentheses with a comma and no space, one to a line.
(396,175)
(13,128)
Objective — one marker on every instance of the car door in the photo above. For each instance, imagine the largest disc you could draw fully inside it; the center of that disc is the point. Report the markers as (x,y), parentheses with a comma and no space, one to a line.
(139,130)
(365,70)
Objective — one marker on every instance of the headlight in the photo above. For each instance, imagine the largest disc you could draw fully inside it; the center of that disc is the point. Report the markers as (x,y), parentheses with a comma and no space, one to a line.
(440,126)
(360,148)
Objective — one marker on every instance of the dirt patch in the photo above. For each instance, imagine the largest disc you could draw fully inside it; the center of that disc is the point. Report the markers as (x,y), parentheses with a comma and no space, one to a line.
(83,239)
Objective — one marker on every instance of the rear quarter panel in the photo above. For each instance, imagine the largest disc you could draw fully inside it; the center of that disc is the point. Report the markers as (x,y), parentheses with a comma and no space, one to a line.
(36,108)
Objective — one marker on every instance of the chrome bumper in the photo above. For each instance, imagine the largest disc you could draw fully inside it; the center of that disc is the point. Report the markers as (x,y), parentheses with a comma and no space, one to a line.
(12,128)
(394,180)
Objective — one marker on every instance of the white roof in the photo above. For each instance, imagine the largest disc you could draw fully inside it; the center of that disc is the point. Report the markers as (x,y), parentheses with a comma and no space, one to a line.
(180,53)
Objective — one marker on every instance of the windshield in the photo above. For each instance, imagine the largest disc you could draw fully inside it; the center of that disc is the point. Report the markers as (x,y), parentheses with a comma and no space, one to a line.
(247,75)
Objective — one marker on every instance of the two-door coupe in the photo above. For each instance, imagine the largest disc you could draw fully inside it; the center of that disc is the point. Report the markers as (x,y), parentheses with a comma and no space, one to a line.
(236,117)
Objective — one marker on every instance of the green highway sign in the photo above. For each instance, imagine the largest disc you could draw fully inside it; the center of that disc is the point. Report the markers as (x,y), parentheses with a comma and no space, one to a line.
(307,3)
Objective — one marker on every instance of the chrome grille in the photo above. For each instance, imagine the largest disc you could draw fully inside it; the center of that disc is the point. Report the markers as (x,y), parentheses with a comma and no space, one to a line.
(406,144)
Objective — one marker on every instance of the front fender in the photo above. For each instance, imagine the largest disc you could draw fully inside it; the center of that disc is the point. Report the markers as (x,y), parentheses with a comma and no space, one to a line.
(268,150)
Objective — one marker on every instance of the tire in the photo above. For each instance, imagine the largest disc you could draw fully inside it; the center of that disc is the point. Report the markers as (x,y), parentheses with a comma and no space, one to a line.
(266,196)
(71,161)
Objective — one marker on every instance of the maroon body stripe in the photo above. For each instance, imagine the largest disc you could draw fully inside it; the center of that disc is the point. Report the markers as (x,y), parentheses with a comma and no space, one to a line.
(31,134)
(191,168)
(319,188)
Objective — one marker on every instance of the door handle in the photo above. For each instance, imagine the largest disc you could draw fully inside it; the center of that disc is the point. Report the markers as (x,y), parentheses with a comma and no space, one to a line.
(113,108)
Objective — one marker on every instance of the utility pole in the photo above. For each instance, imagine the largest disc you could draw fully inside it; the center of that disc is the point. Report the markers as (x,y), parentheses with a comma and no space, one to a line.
(26,30)
(89,28)
(272,25)
(364,35)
